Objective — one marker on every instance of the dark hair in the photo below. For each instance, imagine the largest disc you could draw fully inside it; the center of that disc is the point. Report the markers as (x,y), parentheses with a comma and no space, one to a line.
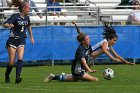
(109,32)
(80,37)
(18,3)
(135,2)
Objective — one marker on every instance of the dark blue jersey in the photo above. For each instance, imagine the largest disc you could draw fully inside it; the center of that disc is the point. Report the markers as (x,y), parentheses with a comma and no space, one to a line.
(20,25)
(81,52)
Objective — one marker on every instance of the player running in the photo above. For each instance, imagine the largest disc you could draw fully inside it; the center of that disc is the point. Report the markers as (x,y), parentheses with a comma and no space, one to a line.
(17,23)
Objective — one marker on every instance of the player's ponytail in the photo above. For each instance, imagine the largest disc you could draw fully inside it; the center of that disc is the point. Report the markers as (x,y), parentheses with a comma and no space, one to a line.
(109,32)
(17,3)
(81,36)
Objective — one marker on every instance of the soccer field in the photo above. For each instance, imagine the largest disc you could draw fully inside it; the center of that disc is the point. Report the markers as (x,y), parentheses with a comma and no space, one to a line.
(126,80)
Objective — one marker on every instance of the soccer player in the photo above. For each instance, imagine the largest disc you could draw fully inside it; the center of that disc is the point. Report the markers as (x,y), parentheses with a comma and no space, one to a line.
(17,23)
(79,66)
(105,46)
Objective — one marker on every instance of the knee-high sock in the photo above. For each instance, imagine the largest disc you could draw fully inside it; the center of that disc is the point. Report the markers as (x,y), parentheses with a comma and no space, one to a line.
(58,77)
(19,68)
(8,70)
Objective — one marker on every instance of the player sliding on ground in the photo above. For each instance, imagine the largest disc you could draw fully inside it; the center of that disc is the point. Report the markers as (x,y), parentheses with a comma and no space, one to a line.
(105,46)
(79,65)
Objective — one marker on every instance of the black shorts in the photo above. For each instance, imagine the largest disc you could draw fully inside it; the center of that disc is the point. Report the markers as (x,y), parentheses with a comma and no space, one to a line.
(15,42)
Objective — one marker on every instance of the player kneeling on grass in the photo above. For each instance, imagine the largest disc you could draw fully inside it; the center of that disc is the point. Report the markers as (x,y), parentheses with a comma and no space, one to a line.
(79,65)
(105,46)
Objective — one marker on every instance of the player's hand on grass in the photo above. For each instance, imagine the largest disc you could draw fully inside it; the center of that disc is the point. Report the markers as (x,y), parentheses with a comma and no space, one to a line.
(93,71)
(130,63)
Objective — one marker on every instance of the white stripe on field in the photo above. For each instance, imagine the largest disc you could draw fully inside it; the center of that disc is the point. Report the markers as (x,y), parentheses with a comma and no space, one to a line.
(33,89)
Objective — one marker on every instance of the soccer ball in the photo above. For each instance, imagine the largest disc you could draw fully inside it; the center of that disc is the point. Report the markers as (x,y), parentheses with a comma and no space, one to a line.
(108,74)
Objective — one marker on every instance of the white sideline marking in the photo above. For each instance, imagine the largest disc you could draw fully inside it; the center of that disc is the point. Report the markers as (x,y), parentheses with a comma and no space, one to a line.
(87,86)
(22,88)
(32,89)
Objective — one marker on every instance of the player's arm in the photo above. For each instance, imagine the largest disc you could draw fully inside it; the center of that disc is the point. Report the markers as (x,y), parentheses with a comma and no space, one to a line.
(7,25)
(133,18)
(107,52)
(85,65)
(31,34)
(83,60)
(9,22)
(29,28)
(119,57)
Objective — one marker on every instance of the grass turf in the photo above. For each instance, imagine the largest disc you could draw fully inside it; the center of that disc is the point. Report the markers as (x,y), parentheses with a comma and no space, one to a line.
(126,80)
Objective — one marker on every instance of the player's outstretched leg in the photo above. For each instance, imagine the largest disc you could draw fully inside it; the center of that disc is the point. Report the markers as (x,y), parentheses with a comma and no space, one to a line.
(89,77)
(70,78)
(62,77)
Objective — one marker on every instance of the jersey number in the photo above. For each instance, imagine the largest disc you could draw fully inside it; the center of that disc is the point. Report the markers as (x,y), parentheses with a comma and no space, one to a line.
(22,28)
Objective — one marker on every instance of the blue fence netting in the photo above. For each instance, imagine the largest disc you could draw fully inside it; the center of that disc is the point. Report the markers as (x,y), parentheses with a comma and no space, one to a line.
(59,42)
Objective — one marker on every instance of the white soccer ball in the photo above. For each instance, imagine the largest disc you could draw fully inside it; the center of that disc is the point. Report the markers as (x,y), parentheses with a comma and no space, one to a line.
(108,74)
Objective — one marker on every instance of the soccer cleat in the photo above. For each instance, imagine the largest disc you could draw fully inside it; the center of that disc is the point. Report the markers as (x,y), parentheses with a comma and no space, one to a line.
(7,79)
(18,80)
(49,78)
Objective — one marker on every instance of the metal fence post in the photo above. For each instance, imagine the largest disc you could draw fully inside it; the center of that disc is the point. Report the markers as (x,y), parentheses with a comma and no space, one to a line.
(134,60)
(52,63)
(98,15)
(46,12)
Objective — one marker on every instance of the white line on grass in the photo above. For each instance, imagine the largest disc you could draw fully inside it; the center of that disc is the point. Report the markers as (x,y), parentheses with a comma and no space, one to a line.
(33,89)
(95,86)
(39,88)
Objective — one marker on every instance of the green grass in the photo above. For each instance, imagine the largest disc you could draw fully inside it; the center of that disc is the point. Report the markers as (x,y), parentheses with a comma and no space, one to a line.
(126,80)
